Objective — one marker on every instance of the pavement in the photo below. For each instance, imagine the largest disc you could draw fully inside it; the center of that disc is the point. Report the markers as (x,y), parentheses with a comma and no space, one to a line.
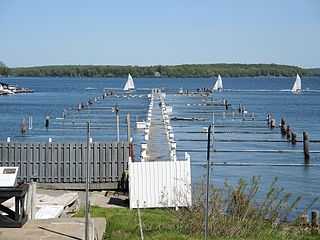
(54,229)
(67,227)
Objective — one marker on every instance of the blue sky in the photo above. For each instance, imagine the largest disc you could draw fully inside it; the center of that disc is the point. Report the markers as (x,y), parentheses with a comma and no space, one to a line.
(166,32)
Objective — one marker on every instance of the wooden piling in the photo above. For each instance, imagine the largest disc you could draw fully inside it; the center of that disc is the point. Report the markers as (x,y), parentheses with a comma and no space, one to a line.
(283,127)
(272,123)
(306,148)
(47,122)
(294,138)
(128,127)
(226,104)
(314,218)
(288,132)
(23,127)
(269,119)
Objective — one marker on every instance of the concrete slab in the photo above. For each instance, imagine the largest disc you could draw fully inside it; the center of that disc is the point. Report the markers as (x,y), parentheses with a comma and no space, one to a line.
(54,229)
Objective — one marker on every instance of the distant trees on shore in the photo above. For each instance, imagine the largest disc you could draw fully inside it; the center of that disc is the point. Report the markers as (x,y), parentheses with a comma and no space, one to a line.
(4,70)
(181,71)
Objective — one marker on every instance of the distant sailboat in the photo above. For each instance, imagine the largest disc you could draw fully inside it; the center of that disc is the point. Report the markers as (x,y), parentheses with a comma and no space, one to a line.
(218,85)
(129,84)
(297,85)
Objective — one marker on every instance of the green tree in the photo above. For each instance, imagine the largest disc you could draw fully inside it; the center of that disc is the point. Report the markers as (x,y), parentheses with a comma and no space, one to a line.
(4,70)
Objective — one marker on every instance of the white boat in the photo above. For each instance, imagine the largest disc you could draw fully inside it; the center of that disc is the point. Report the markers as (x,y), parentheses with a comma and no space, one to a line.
(297,85)
(218,85)
(129,84)
(4,90)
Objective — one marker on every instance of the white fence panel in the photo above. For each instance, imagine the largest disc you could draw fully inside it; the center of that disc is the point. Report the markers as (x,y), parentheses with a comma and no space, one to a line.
(160,184)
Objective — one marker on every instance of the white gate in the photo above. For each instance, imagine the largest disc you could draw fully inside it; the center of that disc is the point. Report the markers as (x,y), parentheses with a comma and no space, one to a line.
(160,184)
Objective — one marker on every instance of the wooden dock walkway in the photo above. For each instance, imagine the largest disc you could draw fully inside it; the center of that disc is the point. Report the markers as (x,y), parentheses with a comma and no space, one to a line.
(158,149)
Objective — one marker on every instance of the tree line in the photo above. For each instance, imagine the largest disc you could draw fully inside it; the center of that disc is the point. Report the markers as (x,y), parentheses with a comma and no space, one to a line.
(176,71)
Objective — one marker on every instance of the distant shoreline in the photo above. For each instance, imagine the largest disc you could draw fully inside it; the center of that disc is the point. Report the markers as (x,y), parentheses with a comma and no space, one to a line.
(160,71)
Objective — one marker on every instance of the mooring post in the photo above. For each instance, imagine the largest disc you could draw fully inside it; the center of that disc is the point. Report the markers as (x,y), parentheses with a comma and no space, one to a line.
(273,123)
(30,123)
(128,127)
(206,212)
(283,127)
(294,138)
(116,108)
(47,122)
(226,104)
(23,127)
(314,218)
(288,132)
(87,206)
(306,148)
(269,119)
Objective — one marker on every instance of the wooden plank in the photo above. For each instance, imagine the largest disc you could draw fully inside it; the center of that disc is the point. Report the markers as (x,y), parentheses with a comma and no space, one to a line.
(72,159)
(94,157)
(83,162)
(65,162)
(108,161)
(59,165)
(120,161)
(77,158)
(101,162)
(114,160)
(42,162)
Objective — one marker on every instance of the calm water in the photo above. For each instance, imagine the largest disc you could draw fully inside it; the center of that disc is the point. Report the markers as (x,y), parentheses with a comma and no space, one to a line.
(302,112)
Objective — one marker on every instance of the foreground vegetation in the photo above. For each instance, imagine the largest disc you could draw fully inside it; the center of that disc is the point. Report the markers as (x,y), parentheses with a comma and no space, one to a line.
(234,214)
(181,71)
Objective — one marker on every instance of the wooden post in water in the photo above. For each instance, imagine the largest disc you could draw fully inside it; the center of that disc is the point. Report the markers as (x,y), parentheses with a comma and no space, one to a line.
(294,138)
(306,148)
(226,104)
(30,123)
(23,127)
(47,122)
(116,108)
(269,119)
(288,132)
(272,123)
(128,127)
(314,218)
(283,126)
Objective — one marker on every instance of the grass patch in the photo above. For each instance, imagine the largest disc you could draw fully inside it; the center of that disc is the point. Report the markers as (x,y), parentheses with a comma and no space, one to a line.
(234,213)
(122,223)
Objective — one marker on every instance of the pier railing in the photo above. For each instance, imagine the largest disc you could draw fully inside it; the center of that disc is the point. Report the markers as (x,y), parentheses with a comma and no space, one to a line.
(65,163)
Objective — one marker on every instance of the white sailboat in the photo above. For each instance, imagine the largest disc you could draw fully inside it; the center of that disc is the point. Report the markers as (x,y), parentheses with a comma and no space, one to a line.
(218,85)
(129,84)
(297,85)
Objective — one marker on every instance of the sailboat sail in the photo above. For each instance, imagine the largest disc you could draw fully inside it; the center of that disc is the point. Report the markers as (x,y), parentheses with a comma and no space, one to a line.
(129,84)
(297,84)
(218,85)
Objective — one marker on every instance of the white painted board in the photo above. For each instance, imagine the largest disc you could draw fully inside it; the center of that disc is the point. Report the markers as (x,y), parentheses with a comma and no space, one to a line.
(8,176)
